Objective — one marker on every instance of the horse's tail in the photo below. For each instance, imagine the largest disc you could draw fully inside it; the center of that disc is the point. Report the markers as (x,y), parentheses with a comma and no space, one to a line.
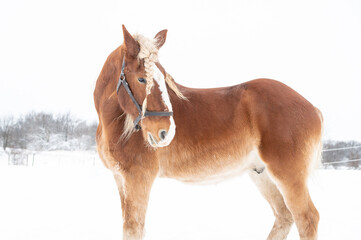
(317,156)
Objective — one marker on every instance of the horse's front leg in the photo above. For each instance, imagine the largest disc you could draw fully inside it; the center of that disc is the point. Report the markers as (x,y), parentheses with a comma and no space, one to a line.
(134,189)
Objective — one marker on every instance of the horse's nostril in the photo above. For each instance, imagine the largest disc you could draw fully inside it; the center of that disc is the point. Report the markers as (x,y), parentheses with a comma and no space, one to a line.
(162,134)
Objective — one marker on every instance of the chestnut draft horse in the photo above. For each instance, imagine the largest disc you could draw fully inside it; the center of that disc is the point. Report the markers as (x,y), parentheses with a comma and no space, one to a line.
(150,126)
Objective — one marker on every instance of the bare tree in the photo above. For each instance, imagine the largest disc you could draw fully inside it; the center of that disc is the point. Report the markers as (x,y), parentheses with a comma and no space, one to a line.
(6,128)
(68,124)
(45,125)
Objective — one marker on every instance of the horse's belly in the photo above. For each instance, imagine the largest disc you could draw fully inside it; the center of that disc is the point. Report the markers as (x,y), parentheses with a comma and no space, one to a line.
(208,170)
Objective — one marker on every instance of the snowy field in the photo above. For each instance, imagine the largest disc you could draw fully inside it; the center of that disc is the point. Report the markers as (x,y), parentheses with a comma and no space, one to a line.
(70,195)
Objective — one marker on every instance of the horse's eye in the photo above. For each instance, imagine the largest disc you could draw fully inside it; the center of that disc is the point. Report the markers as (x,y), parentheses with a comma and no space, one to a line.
(141,80)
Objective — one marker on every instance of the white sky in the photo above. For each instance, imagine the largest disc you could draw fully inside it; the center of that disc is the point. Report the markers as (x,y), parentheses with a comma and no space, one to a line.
(51,52)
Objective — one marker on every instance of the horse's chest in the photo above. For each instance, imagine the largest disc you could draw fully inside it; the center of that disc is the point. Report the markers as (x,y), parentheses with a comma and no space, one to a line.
(105,154)
(204,168)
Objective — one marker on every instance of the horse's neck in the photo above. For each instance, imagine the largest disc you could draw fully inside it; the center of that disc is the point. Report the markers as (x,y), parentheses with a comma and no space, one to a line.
(105,96)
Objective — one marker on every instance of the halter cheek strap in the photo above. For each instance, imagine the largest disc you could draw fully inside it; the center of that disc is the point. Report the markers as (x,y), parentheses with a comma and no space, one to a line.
(123,81)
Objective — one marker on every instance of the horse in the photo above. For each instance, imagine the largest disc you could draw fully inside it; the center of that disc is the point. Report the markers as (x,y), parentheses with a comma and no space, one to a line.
(150,126)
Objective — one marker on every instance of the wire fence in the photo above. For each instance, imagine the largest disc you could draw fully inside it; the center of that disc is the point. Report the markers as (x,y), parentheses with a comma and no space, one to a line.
(338,149)
(341,161)
(49,158)
(344,161)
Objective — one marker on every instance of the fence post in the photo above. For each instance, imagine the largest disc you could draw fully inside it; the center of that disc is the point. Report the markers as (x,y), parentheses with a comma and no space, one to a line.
(33,160)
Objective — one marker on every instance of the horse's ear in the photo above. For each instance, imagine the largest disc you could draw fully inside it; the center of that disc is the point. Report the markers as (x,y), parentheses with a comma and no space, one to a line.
(160,38)
(132,46)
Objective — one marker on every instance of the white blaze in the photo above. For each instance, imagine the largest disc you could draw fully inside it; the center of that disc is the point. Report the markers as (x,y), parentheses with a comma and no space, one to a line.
(159,78)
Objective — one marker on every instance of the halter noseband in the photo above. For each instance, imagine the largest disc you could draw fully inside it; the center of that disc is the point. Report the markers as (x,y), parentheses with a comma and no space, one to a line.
(123,81)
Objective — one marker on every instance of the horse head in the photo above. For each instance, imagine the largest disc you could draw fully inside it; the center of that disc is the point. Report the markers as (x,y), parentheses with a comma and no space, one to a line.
(144,97)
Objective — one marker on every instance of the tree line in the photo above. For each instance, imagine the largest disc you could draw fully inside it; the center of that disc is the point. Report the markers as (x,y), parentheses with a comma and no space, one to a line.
(46,131)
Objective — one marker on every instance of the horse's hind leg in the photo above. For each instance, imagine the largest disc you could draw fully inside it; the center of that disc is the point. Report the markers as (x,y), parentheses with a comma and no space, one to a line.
(134,189)
(299,202)
(270,192)
(290,175)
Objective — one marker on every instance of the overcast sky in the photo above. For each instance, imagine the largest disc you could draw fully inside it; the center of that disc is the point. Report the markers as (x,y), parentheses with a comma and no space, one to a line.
(51,52)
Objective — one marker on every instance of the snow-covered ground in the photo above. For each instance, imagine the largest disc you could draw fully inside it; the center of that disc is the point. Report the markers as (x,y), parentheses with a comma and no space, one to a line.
(77,198)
